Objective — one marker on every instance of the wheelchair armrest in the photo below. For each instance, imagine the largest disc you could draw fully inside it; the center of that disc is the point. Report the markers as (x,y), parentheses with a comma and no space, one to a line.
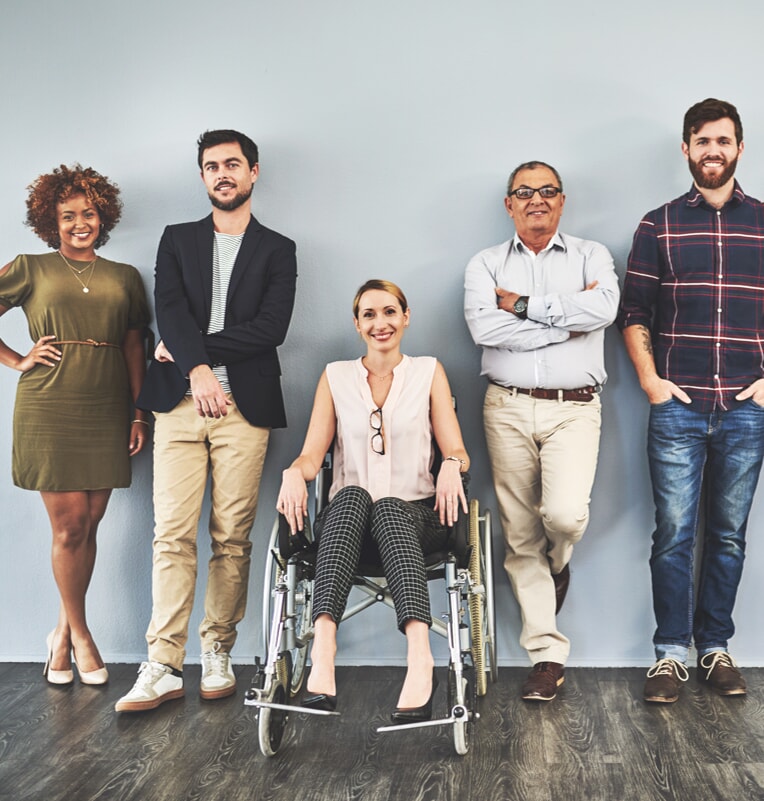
(459,537)
(289,543)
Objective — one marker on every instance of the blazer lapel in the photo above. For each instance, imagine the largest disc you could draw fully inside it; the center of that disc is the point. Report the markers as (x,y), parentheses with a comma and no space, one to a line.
(204,243)
(249,245)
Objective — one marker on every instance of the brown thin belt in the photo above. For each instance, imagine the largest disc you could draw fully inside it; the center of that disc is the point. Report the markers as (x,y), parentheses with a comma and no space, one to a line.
(584,394)
(91,342)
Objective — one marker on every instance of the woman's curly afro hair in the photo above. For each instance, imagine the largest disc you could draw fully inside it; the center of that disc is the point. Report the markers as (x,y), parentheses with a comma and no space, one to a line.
(47,191)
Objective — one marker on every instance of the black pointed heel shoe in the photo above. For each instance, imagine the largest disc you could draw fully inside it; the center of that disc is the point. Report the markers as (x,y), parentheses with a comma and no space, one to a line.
(323,702)
(416,714)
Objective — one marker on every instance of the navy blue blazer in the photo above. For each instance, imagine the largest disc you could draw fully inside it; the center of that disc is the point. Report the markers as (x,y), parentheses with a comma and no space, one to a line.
(258,309)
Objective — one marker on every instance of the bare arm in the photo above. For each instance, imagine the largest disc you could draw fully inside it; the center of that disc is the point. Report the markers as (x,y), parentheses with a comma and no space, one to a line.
(135,361)
(293,496)
(639,346)
(42,351)
(449,492)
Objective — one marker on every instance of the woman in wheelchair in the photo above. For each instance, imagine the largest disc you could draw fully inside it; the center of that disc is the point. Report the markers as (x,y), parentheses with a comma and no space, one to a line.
(382,412)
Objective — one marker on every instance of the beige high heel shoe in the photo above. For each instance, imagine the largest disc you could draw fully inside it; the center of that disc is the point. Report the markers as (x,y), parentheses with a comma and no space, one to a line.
(59,677)
(96,677)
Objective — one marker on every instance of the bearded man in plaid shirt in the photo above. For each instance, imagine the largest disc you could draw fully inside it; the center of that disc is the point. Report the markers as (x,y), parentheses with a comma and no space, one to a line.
(692,316)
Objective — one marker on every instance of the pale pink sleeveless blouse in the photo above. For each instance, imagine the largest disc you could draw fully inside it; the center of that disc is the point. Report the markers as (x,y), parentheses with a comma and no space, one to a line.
(404,469)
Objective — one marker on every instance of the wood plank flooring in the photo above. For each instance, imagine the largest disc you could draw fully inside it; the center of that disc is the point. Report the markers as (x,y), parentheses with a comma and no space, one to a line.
(597,741)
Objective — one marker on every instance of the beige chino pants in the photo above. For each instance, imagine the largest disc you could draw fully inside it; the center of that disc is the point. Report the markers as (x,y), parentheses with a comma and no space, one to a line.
(543,457)
(188,448)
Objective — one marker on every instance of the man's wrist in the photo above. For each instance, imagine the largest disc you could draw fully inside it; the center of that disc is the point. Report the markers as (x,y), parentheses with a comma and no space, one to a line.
(199,369)
(520,307)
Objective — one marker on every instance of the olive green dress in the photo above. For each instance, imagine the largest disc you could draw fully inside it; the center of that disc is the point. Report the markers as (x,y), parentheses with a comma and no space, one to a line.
(71,422)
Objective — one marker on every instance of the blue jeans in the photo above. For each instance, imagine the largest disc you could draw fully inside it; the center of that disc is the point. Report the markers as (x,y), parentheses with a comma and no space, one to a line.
(684,447)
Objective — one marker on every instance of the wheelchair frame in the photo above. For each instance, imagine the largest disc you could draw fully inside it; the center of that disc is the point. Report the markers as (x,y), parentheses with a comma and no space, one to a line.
(468,623)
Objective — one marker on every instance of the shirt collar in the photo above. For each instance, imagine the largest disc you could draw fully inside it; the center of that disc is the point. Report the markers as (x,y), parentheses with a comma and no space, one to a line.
(555,242)
(694,197)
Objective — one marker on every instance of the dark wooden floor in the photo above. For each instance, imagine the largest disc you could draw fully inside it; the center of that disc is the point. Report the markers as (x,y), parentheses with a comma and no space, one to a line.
(598,741)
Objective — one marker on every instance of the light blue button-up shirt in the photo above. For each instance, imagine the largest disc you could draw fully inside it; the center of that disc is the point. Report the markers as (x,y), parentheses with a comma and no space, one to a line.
(540,352)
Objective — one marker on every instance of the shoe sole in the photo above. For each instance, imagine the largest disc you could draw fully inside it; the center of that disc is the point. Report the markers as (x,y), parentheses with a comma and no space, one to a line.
(145,706)
(735,691)
(661,699)
(214,695)
(536,697)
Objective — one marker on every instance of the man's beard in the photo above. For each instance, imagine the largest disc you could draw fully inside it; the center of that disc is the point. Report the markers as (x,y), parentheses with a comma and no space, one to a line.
(704,181)
(230,205)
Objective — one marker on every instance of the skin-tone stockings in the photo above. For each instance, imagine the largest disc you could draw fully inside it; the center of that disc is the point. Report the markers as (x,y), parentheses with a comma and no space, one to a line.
(417,685)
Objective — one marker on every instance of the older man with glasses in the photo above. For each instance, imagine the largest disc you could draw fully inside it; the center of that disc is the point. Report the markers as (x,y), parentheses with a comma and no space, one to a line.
(538,306)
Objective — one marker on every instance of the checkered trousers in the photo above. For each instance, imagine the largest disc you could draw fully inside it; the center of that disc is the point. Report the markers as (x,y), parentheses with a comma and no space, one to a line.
(402,531)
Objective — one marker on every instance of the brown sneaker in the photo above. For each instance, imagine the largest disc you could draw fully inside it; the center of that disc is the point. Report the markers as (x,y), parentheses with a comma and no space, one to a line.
(543,681)
(664,679)
(719,671)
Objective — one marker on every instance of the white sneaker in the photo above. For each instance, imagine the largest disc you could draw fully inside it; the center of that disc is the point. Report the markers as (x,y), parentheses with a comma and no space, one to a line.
(156,684)
(218,680)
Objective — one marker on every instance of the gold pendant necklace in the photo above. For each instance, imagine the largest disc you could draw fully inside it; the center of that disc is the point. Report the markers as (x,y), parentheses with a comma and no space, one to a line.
(77,273)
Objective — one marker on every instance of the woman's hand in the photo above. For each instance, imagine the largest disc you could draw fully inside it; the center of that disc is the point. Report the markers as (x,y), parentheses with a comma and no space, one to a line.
(293,498)
(42,353)
(449,492)
(139,436)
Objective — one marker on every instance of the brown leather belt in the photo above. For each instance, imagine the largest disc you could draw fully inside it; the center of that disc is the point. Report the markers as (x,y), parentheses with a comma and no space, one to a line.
(584,394)
(91,342)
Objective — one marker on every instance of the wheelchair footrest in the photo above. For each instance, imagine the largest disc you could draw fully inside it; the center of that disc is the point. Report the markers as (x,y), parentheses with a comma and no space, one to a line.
(459,714)
(287,707)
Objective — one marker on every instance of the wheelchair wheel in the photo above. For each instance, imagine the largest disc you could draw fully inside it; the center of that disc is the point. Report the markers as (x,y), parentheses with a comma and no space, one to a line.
(272,722)
(275,569)
(459,695)
(477,601)
(303,624)
(271,577)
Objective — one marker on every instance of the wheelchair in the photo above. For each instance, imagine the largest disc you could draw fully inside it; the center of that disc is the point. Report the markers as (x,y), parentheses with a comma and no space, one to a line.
(468,624)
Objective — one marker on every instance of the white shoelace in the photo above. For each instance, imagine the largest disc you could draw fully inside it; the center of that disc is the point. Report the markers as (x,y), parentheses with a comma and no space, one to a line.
(149,674)
(721,658)
(668,667)
(215,663)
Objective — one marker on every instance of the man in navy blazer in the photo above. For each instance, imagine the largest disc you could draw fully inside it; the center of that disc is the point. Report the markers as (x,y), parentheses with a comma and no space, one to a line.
(224,295)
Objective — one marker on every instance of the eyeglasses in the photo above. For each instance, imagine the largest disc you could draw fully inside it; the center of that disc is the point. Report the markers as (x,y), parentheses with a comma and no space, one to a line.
(375,421)
(526,192)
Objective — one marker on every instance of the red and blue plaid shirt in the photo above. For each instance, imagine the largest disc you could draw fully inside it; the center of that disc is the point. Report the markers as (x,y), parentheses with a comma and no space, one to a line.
(695,278)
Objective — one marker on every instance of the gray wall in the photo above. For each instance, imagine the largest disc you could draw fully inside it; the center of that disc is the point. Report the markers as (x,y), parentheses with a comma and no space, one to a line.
(387,130)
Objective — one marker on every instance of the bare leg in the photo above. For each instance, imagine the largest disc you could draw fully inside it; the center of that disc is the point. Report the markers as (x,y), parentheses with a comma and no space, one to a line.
(321,679)
(74,519)
(417,686)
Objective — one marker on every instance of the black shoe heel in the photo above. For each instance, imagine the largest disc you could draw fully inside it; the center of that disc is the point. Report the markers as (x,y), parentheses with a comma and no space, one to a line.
(323,702)
(416,714)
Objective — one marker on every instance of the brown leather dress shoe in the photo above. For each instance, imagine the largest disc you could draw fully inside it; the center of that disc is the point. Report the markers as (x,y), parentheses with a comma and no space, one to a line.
(664,679)
(543,681)
(561,584)
(719,671)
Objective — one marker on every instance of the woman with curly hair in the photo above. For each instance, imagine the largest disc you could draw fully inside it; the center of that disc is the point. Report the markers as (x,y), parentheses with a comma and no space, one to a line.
(72,435)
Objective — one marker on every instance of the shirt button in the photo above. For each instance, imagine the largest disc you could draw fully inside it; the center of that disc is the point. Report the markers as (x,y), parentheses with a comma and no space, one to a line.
(718,344)
(719,311)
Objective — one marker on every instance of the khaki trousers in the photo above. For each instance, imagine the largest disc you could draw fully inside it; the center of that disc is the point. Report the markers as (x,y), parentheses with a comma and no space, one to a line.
(543,457)
(188,448)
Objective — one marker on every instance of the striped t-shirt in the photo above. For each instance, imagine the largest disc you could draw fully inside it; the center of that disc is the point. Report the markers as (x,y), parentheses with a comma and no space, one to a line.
(224,252)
